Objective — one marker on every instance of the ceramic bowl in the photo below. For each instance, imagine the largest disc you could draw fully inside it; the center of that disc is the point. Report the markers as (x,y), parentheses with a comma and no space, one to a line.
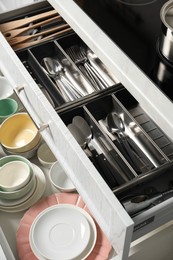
(45,156)
(18,133)
(28,154)
(17,194)
(6,89)
(10,195)
(59,179)
(14,175)
(8,107)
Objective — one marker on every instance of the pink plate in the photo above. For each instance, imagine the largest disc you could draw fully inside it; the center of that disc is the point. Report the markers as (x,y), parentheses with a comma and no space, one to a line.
(102,247)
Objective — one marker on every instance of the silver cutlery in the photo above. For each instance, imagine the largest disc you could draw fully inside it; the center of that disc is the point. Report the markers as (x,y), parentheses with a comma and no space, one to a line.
(93,151)
(79,57)
(149,149)
(109,157)
(141,202)
(56,71)
(116,126)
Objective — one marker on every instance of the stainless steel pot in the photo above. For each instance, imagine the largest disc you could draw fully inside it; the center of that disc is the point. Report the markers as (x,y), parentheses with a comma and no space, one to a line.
(166,36)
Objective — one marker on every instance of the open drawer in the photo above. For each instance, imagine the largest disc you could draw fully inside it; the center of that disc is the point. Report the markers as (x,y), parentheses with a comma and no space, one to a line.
(108,211)
(99,197)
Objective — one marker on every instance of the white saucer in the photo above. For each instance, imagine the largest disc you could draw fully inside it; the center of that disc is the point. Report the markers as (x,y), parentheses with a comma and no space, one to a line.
(98,247)
(37,194)
(60,232)
(80,246)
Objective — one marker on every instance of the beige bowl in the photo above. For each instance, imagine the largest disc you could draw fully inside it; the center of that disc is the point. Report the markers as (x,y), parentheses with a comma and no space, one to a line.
(45,155)
(27,154)
(18,133)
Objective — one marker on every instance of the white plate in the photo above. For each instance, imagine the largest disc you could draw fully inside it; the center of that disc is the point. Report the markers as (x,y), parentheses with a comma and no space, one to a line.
(60,232)
(37,194)
(11,203)
(99,246)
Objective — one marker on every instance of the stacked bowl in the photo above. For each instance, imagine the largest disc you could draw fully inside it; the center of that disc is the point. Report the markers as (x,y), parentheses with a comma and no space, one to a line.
(17,178)
(19,135)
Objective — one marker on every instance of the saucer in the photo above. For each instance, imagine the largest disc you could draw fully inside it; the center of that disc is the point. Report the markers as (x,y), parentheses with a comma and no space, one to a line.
(37,194)
(101,247)
(60,232)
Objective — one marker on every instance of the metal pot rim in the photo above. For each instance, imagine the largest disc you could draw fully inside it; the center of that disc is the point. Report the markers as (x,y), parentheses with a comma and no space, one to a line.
(164,10)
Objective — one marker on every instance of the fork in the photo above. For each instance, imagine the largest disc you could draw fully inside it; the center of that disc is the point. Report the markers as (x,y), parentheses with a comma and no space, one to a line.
(21,39)
(79,57)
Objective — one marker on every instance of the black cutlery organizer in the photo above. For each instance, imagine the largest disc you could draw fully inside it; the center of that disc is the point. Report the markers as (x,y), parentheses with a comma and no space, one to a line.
(153,179)
(94,107)
(32,59)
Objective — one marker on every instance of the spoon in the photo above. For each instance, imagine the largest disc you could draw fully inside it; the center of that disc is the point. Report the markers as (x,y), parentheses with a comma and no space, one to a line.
(106,155)
(55,71)
(96,157)
(81,123)
(77,135)
(140,202)
(115,125)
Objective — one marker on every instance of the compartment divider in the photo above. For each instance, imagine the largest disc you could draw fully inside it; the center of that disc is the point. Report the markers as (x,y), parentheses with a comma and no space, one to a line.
(143,135)
(157,137)
(108,161)
(110,148)
(43,81)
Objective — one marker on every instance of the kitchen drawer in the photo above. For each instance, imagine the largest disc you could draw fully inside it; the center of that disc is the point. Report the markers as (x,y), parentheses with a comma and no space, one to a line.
(106,208)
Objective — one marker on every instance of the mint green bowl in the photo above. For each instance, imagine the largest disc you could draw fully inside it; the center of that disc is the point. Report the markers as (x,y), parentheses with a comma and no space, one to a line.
(8,107)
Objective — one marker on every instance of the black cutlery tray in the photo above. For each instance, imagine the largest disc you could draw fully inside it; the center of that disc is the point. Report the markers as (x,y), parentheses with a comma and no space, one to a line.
(32,59)
(153,180)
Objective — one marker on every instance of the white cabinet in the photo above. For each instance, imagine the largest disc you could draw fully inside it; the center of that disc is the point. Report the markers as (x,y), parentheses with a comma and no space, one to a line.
(108,211)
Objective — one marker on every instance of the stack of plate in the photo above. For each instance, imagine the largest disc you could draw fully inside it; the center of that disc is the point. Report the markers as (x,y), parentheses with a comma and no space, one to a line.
(63,232)
(61,226)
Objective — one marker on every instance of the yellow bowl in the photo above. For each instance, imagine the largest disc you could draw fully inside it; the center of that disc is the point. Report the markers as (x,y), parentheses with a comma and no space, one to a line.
(18,133)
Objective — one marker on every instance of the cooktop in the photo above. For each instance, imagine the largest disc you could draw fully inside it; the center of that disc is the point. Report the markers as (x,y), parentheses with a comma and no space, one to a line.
(135,26)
